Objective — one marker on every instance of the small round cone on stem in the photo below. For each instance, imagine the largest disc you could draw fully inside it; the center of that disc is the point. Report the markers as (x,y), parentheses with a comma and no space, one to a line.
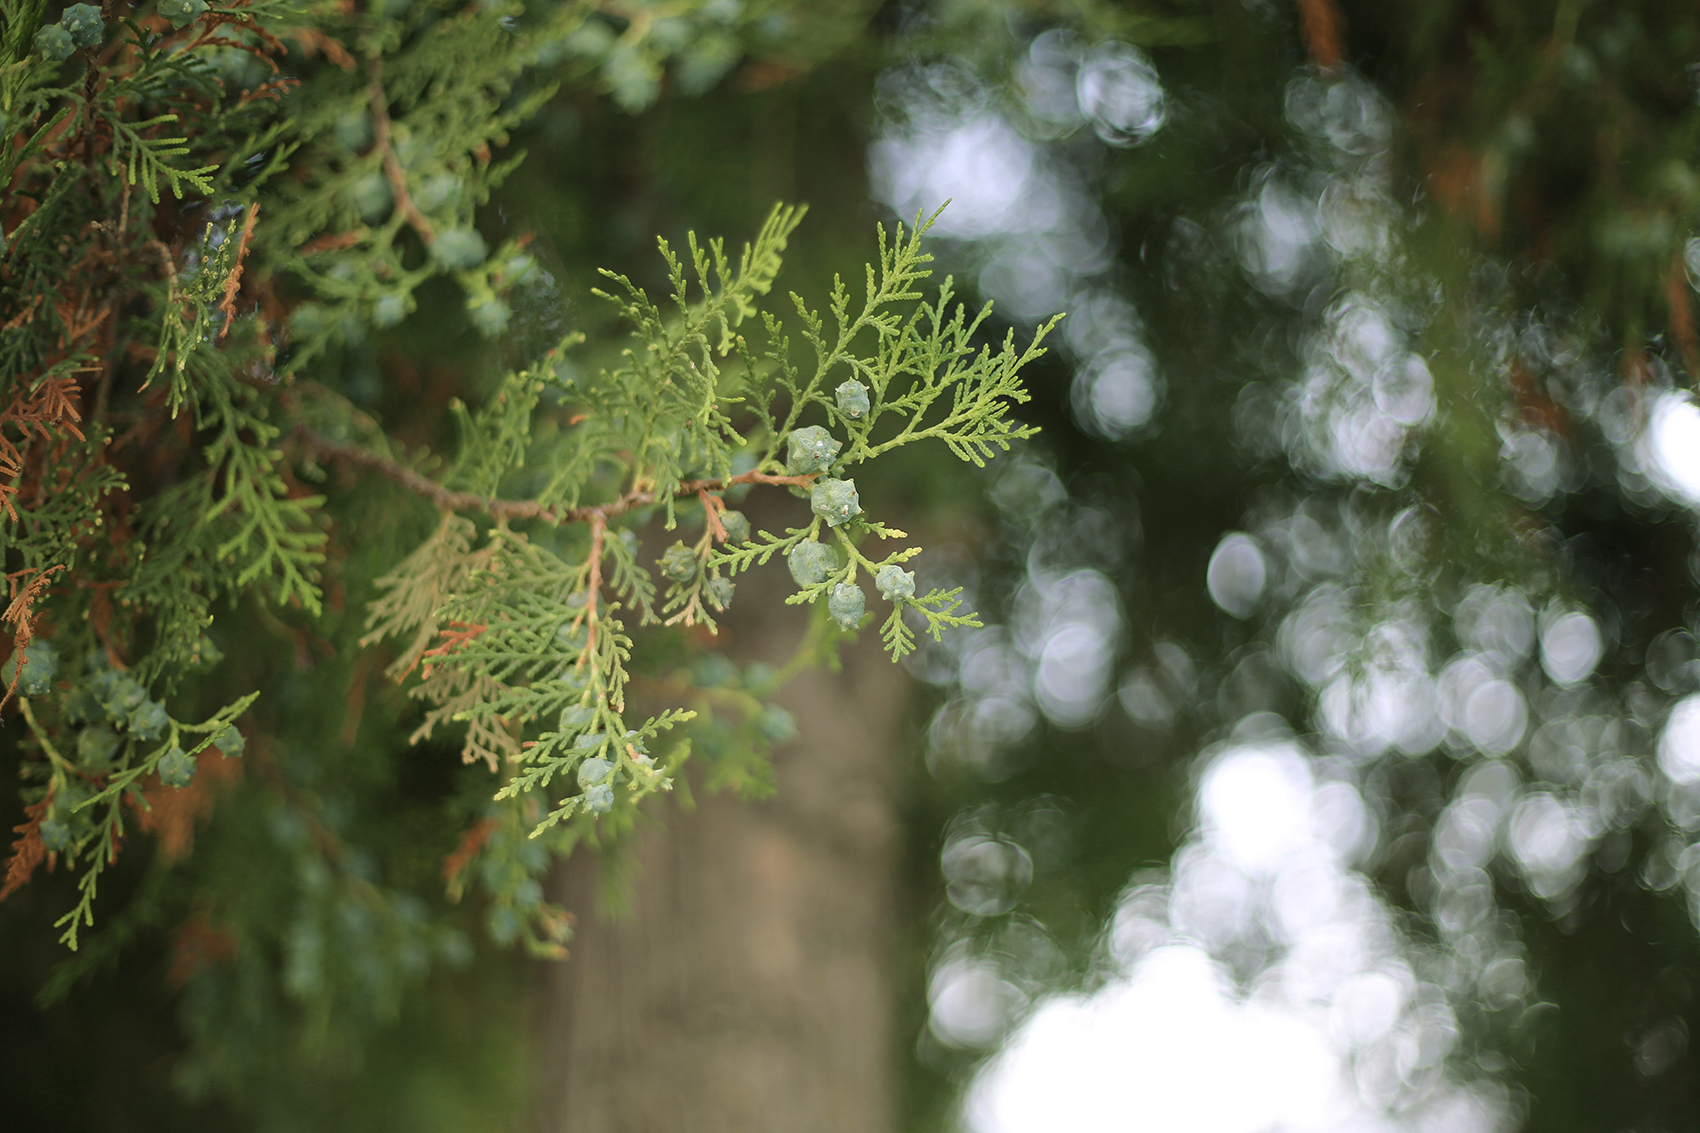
(895,584)
(54,42)
(853,399)
(85,24)
(811,563)
(847,605)
(679,563)
(810,449)
(737,526)
(182,13)
(835,501)
(177,768)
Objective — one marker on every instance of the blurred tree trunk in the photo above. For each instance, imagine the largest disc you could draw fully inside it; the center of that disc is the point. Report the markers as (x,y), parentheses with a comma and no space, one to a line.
(748,986)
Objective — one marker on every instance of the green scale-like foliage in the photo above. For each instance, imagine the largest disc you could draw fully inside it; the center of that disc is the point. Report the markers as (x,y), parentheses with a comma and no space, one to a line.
(211,212)
(530,647)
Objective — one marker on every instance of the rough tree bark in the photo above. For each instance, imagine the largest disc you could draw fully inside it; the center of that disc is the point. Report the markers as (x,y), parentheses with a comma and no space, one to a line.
(748,989)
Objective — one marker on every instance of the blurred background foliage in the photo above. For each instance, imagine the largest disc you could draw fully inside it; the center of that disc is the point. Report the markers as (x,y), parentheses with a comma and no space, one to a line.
(1328,759)
(1363,542)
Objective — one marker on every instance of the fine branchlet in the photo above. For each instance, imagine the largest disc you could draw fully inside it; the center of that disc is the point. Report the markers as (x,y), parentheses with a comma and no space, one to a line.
(524,634)
(213,212)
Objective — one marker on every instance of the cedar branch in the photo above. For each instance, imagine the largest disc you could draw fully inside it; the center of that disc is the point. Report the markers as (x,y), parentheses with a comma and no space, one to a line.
(392,164)
(234,284)
(497,508)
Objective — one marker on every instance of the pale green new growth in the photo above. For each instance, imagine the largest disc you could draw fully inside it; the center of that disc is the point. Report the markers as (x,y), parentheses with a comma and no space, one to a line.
(219,234)
(145,160)
(532,631)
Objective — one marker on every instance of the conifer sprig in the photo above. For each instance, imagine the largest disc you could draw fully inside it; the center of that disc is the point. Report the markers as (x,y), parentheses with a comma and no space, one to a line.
(529,644)
(212,215)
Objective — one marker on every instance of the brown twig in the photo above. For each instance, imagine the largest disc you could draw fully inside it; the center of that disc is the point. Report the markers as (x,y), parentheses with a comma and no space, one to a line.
(498,508)
(1323,30)
(27,850)
(392,164)
(712,507)
(462,634)
(312,39)
(445,498)
(332,243)
(471,842)
(234,283)
(210,22)
(21,614)
(598,529)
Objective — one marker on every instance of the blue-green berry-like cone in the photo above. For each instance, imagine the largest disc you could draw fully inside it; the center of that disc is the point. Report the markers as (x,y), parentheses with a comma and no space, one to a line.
(810,450)
(389,310)
(847,605)
(811,563)
(711,670)
(100,682)
(96,746)
(777,725)
(835,501)
(459,249)
(83,706)
(182,13)
(353,130)
(853,400)
(128,692)
(120,696)
(55,835)
(737,526)
(491,317)
(679,563)
(68,799)
(576,716)
(84,23)
(594,770)
(599,799)
(895,584)
(720,591)
(437,190)
(177,768)
(147,720)
(41,662)
(54,42)
(373,198)
(230,742)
